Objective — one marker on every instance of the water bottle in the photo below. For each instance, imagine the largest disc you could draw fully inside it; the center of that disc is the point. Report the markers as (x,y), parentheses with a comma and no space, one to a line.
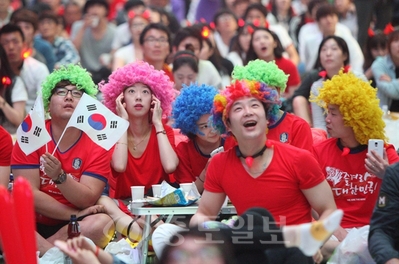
(386,112)
(73,231)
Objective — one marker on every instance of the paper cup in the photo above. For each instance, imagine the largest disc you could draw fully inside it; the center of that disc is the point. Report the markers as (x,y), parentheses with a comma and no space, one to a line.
(186,187)
(156,190)
(137,192)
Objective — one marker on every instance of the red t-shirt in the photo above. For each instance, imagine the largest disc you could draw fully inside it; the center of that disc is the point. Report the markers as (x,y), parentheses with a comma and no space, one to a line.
(278,189)
(143,171)
(84,157)
(355,190)
(192,161)
(293,130)
(5,147)
(288,67)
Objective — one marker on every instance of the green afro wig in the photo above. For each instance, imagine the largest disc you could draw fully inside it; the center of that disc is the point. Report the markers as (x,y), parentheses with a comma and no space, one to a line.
(262,71)
(73,73)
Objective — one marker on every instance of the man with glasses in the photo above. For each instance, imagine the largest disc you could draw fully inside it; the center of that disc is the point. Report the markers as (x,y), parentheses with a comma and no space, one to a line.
(156,45)
(68,179)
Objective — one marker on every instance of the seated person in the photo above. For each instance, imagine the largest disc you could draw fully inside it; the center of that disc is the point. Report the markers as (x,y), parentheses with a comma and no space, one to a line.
(71,179)
(333,56)
(386,75)
(92,37)
(145,154)
(191,112)
(327,25)
(13,96)
(31,71)
(353,117)
(283,126)
(191,37)
(185,68)
(259,167)
(132,52)
(266,45)
(64,50)
(256,14)
(155,41)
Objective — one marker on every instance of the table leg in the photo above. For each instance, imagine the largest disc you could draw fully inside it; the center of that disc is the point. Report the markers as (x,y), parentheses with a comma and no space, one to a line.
(146,233)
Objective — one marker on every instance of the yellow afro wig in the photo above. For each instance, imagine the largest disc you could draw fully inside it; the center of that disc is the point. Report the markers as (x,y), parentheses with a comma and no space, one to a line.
(358,104)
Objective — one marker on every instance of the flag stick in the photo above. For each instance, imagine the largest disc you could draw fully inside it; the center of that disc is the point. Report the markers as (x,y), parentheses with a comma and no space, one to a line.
(62,135)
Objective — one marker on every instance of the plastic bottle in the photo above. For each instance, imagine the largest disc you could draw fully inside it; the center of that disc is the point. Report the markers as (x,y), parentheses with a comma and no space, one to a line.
(73,227)
(73,231)
(11,182)
(386,112)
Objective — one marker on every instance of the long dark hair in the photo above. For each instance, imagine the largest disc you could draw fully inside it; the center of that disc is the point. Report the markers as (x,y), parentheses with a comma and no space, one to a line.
(7,78)
(341,44)
(379,40)
(278,50)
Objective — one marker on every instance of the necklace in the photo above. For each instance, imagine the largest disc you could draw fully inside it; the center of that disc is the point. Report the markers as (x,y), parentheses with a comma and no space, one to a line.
(136,145)
(250,159)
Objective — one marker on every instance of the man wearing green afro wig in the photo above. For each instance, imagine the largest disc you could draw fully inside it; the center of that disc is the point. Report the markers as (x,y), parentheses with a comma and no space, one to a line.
(69,173)
(288,128)
(71,74)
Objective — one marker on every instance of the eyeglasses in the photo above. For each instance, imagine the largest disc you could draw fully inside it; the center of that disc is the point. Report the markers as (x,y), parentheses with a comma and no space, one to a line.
(64,92)
(138,25)
(152,41)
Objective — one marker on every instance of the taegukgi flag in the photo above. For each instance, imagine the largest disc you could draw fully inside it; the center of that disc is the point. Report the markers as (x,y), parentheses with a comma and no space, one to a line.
(98,122)
(32,133)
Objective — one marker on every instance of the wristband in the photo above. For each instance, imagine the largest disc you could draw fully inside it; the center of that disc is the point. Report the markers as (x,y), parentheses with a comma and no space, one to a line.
(161,132)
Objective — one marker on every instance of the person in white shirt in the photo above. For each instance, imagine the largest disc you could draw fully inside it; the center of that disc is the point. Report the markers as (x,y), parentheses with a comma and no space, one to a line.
(347,15)
(327,19)
(207,72)
(31,71)
(226,28)
(122,35)
(132,52)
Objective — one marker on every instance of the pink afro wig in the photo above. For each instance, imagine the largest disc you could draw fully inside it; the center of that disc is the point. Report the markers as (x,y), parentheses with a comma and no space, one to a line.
(138,72)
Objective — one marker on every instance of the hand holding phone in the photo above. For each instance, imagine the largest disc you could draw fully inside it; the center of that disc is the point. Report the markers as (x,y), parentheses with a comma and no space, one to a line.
(377,145)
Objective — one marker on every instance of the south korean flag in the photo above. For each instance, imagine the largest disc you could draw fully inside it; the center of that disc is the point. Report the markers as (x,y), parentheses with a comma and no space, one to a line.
(98,122)
(32,133)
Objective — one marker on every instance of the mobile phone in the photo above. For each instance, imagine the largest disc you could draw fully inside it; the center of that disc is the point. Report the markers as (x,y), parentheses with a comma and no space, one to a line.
(377,145)
(216,151)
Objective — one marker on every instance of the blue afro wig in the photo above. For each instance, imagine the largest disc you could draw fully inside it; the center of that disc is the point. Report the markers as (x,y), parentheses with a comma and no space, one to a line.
(193,102)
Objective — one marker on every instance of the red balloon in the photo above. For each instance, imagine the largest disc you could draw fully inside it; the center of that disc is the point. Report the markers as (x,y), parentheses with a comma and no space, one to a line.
(25,218)
(10,235)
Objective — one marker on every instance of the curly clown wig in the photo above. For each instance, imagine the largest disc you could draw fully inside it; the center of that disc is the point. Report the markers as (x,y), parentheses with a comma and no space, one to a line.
(193,102)
(358,103)
(239,89)
(138,72)
(75,74)
(262,71)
